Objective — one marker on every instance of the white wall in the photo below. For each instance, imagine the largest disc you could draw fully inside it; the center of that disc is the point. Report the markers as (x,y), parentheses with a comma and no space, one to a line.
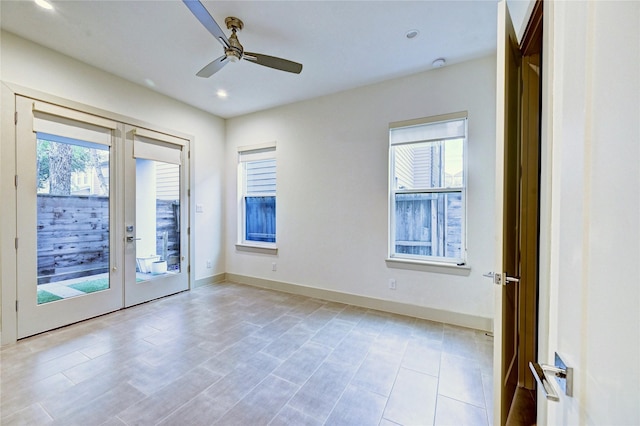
(42,69)
(332,156)
(591,209)
(332,152)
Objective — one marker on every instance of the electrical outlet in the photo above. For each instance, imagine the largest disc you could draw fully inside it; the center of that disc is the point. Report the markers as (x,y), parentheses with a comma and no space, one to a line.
(274,267)
(392,284)
(209,264)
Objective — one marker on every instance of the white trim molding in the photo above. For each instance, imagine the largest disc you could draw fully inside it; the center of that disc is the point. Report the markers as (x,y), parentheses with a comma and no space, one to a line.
(213,279)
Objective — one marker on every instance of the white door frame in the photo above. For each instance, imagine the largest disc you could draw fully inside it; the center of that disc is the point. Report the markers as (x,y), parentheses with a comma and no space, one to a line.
(8,259)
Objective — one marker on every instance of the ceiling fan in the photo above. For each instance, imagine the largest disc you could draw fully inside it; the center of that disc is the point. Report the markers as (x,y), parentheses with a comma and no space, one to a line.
(233,50)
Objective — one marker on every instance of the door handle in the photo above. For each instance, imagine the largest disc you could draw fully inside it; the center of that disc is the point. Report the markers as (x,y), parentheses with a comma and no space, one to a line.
(563,374)
(130,239)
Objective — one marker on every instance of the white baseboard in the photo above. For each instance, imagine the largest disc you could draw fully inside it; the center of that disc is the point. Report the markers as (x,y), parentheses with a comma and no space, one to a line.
(213,279)
(439,315)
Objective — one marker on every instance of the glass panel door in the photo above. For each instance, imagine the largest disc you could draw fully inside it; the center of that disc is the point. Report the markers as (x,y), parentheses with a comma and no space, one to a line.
(67,269)
(155,225)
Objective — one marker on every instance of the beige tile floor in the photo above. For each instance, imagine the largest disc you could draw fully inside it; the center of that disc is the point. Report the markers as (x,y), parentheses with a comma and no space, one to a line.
(235,355)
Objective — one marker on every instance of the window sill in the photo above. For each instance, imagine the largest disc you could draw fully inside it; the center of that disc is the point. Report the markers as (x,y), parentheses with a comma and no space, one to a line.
(417,265)
(257,249)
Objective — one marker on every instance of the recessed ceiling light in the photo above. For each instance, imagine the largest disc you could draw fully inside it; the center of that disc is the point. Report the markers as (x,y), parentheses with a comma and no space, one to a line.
(221,94)
(44,4)
(438,63)
(150,82)
(412,34)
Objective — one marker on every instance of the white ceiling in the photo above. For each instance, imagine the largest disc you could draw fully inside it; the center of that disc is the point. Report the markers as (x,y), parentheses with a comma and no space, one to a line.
(342,44)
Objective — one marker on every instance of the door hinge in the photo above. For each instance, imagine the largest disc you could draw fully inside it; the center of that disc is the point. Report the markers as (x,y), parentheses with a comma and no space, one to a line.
(15,118)
(189,231)
(189,154)
(16,306)
(16,243)
(15,180)
(188,269)
(189,192)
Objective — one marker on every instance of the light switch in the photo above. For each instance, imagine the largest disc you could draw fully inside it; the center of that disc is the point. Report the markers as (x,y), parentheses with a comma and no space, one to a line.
(199,208)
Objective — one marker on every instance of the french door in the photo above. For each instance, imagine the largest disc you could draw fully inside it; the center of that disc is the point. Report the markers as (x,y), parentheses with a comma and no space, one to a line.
(155,236)
(67,264)
(100,215)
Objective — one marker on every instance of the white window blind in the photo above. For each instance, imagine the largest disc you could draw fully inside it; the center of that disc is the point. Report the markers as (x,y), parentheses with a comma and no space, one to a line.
(78,126)
(157,146)
(440,127)
(261,152)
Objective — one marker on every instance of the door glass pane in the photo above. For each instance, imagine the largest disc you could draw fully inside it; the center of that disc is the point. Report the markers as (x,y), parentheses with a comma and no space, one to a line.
(157,219)
(73,217)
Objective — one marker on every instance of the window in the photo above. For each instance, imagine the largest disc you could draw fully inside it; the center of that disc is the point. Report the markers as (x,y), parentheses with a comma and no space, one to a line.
(257,195)
(427,189)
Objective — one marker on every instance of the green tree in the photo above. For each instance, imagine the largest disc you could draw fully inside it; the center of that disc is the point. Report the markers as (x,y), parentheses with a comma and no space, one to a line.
(55,163)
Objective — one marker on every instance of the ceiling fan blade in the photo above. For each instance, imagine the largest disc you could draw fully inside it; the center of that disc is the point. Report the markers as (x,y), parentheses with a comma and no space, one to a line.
(273,62)
(213,67)
(205,18)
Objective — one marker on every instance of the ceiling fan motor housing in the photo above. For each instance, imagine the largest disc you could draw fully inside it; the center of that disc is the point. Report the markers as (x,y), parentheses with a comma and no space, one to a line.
(235,50)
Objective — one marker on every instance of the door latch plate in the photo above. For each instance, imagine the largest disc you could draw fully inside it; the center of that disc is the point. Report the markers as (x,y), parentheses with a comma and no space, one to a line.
(565,383)
(497,279)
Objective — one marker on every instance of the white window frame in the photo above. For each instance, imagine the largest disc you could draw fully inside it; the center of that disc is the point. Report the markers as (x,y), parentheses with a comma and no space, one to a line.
(249,154)
(438,135)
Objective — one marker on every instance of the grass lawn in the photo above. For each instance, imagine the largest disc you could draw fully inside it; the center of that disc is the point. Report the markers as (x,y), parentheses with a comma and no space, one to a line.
(86,287)
(91,286)
(46,297)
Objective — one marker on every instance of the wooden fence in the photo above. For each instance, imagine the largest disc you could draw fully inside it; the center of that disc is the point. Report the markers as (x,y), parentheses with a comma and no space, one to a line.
(429,224)
(168,232)
(73,236)
(260,219)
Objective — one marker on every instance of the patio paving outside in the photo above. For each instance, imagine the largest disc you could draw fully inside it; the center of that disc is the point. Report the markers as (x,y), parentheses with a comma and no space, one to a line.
(65,289)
